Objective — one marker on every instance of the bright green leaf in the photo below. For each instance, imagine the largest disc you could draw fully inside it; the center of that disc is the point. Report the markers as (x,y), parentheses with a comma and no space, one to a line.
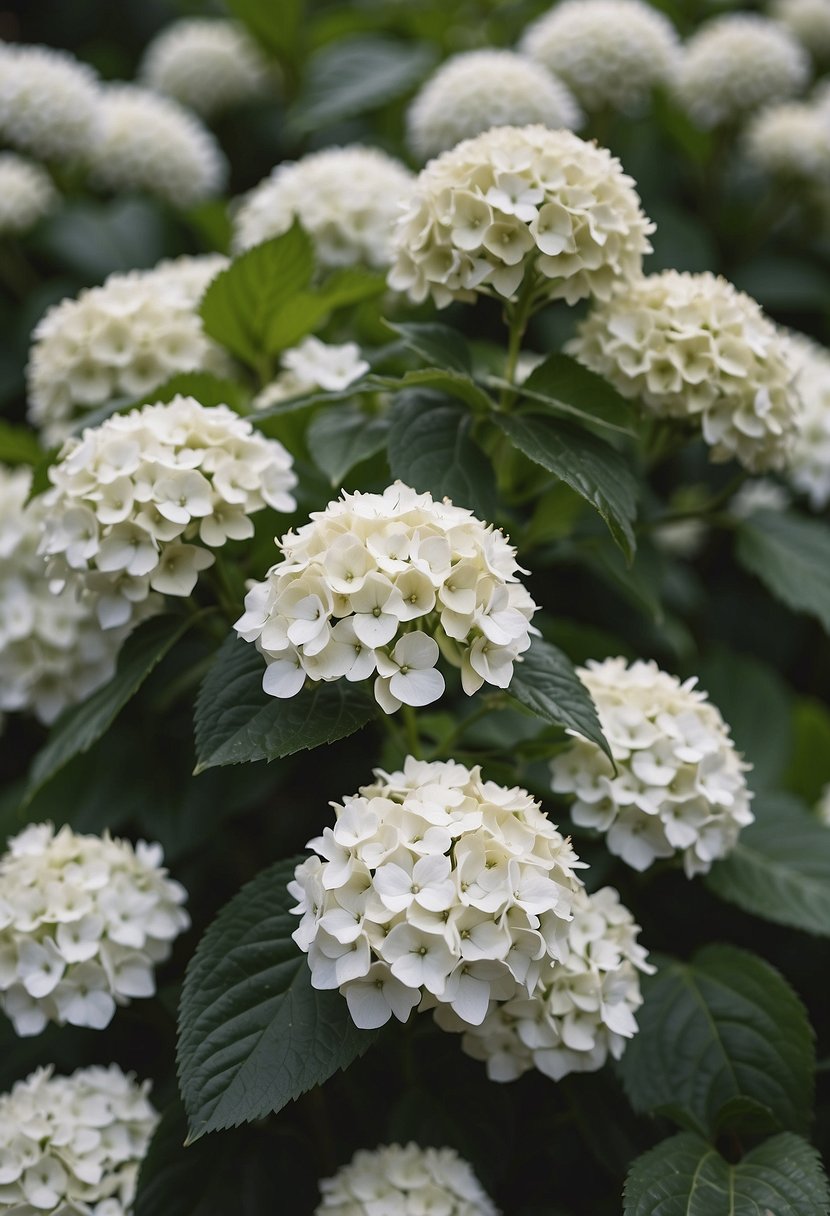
(19,445)
(275,25)
(791,557)
(341,437)
(544,681)
(306,311)
(809,769)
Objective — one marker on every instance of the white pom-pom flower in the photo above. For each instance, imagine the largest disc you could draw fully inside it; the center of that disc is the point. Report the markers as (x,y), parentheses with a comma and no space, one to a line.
(148,142)
(608,52)
(520,208)
(124,338)
(131,498)
(809,466)
(207,64)
(679,786)
(398,1179)
(48,102)
(83,922)
(690,346)
(583,1009)
(434,886)
(311,366)
(809,21)
(379,585)
(72,1146)
(736,63)
(27,193)
(477,90)
(790,141)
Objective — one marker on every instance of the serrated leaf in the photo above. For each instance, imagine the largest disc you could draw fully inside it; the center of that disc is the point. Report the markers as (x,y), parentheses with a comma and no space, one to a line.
(568,387)
(437,344)
(237,722)
(341,437)
(306,311)
(779,869)
(686,1176)
(791,557)
(253,1033)
(546,683)
(724,1026)
(18,445)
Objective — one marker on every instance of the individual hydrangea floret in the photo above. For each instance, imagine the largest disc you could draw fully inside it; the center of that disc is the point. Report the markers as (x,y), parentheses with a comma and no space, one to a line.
(72,1146)
(122,339)
(690,346)
(396,1179)
(83,922)
(520,208)
(347,200)
(758,494)
(436,886)
(679,785)
(48,102)
(790,141)
(583,1009)
(27,193)
(736,63)
(609,52)
(809,21)
(131,498)
(809,467)
(477,90)
(207,64)
(378,585)
(151,143)
(311,366)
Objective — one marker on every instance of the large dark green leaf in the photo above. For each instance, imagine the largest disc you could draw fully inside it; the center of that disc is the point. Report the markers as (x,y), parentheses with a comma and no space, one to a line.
(341,437)
(569,388)
(438,345)
(791,557)
(545,683)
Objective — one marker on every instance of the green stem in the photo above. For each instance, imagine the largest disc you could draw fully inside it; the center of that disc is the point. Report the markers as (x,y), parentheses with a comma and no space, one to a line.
(516,315)
(488,706)
(705,510)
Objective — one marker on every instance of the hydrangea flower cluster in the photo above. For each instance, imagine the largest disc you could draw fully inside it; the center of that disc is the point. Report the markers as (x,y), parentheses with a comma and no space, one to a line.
(311,366)
(519,201)
(124,338)
(736,63)
(477,90)
(692,346)
(27,193)
(48,103)
(680,784)
(434,884)
(608,52)
(583,1010)
(83,922)
(73,1145)
(347,200)
(790,141)
(809,467)
(207,64)
(809,21)
(368,585)
(132,495)
(396,1179)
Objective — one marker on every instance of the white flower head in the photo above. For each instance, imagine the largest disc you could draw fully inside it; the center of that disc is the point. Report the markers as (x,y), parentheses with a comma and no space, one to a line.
(208,64)
(397,1179)
(680,785)
(48,102)
(790,141)
(516,202)
(808,471)
(313,365)
(690,346)
(809,21)
(27,193)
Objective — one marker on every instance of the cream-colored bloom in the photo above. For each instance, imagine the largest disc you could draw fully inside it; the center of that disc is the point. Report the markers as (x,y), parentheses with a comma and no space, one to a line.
(396,1179)
(809,467)
(809,20)
(790,141)
(27,193)
(311,366)
(48,102)
(207,64)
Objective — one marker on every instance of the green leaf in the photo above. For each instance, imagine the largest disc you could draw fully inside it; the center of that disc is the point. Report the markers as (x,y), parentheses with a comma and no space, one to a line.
(19,445)
(724,1026)
(253,1033)
(568,387)
(545,683)
(456,384)
(791,557)
(809,768)
(341,437)
(308,310)
(439,345)
(587,464)
(779,869)
(172,1180)
(276,26)
(237,722)
(686,1176)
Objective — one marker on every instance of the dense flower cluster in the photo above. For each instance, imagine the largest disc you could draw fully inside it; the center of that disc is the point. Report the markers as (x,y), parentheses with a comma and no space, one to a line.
(72,1146)
(692,346)
(583,1010)
(311,366)
(481,89)
(434,884)
(809,20)
(679,785)
(207,64)
(83,922)
(368,585)
(809,466)
(27,193)
(347,200)
(608,52)
(131,495)
(409,1179)
(48,102)
(149,142)
(124,338)
(735,63)
(520,201)
(791,141)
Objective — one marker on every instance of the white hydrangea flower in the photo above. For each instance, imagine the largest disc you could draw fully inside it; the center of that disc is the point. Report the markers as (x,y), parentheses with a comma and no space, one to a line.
(808,20)
(149,142)
(83,922)
(207,64)
(367,587)
(311,366)
(735,63)
(124,338)
(136,500)
(395,1180)
(477,90)
(680,784)
(791,141)
(520,201)
(437,887)
(48,102)
(27,193)
(809,466)
(608,52)
(823,806)
(347,199)
(759,494)
(692,346)
(583,1009)
(72,1146)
